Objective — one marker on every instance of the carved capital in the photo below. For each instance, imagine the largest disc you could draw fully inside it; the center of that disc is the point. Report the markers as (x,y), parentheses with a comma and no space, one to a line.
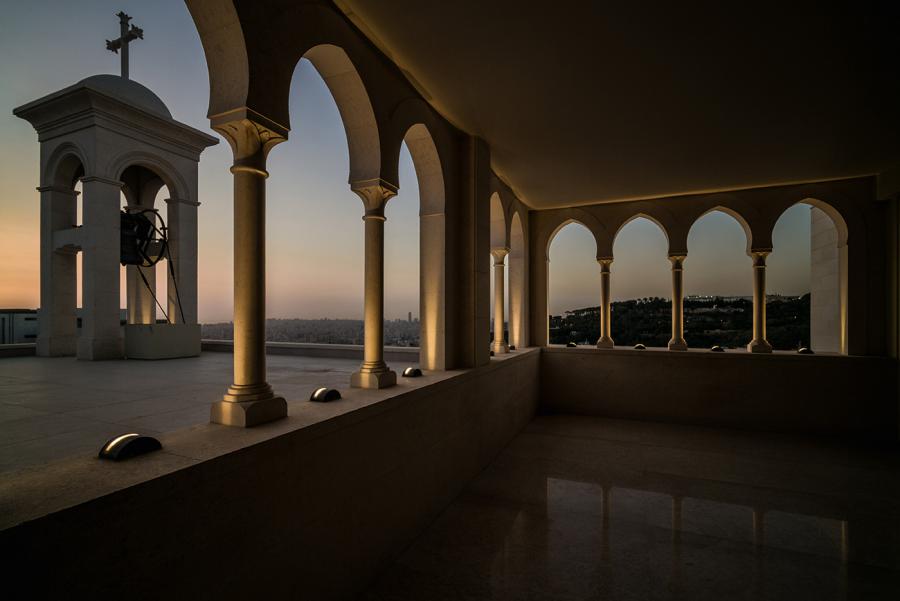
(759,257)
(605,262)
(499,253)
(677,262)
(250,143)
(374,193)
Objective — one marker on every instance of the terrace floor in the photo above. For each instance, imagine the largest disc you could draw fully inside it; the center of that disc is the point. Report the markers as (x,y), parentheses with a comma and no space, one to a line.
(52,409)
(590,508)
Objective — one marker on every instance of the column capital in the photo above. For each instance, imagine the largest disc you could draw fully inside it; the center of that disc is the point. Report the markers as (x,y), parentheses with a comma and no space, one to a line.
(677,261)
(759,257)
(250,141)
(604,262)
(499,253)
(374,193)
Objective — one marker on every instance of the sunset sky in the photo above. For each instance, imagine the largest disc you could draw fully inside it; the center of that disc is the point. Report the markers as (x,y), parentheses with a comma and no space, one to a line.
(315,231)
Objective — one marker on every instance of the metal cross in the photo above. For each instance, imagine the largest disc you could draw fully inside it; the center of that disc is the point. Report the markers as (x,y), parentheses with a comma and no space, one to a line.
(126,35)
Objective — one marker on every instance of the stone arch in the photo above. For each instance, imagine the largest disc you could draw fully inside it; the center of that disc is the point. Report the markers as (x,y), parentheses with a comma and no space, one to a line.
(432,246)
(163,169)
(646,216)
(580,222)
(518,288)
(64,166)
(499,222)
(829,276)
(352,100)
(737,216)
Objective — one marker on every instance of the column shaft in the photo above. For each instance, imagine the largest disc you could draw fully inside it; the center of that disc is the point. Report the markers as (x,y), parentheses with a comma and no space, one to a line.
(374,372)
(499,344)
(101,335)
(605,340)
(250,400)
(759,344)
(57,330)
(677,343)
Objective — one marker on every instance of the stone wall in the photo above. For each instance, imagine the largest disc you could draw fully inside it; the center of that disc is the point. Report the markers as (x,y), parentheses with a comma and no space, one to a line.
(820,395)
(313,512)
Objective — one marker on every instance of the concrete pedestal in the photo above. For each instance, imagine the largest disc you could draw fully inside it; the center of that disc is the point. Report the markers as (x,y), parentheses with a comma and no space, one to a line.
(162,340)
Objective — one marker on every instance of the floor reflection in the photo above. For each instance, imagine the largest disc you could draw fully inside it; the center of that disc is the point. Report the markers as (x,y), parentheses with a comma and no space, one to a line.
(584,508)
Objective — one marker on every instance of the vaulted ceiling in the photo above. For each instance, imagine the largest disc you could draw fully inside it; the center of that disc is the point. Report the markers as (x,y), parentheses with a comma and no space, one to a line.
(590,101)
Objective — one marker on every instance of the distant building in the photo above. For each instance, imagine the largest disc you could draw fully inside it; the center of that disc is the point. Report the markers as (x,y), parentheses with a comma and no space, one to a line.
(18,326)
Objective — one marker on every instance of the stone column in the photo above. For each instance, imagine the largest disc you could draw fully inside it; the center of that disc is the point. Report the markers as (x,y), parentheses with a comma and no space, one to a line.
(101,332)
(677,343)
(182,222)
(250,400)
(605,340)
(374,372)
(499,345)
(141,307)
(57,330)
(759,344)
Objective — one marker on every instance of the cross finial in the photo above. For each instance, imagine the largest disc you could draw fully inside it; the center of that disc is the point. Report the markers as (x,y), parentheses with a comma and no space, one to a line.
(126,35)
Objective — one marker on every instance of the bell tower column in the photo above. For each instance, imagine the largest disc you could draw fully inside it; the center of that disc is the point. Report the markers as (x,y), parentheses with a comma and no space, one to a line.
(101,331)
(57,321)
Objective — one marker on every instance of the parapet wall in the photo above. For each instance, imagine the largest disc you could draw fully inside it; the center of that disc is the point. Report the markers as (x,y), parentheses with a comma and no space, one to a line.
(309,507)
(819,395)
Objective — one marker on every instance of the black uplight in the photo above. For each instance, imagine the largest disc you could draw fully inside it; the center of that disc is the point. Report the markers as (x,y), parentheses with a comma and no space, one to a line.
(324,395)
(640,347)
(717,349)
(127,446)
(412,372)
(571,345)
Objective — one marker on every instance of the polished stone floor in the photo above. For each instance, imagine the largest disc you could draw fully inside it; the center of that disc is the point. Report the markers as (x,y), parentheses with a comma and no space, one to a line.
(51,409)
(588,508)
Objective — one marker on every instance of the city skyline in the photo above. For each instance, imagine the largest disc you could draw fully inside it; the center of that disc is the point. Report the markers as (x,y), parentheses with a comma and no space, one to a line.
(314,243)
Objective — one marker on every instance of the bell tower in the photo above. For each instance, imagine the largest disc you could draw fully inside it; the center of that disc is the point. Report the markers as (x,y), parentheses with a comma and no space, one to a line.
(120,141)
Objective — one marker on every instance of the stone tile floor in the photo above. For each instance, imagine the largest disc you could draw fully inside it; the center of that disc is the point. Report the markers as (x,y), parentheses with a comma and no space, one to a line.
(589,508)
(51,409)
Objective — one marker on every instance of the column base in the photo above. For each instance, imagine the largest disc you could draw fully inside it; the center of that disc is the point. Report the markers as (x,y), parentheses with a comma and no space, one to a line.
(246,414)
(373,379)
(759,346)
(605,343)
(678,345)
(98,349)
(56,346)
(500,348)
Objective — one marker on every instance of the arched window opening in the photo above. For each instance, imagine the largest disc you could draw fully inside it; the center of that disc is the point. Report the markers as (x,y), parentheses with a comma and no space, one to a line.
(498,262)
(314,242)
(809,259)
(718,282)
(788,281)
(641,285)
(574,286)
(515,283)
(401,259)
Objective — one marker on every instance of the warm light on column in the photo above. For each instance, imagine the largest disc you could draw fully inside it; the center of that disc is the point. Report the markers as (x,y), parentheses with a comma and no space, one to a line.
(677,343)
(374,372)
(499,345)
(250,400)
(605,340)
(759,344)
